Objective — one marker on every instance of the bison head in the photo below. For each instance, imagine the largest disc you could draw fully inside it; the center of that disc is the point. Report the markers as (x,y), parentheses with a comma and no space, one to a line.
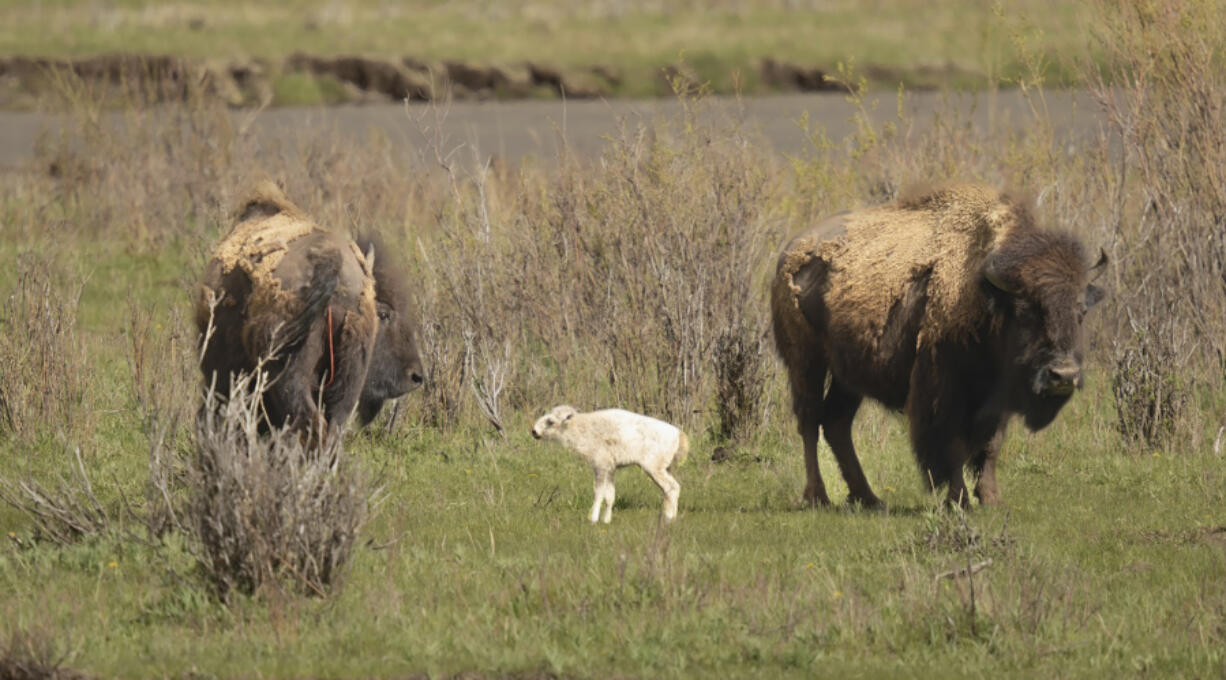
(395,366)
(549,425)
(1038,290)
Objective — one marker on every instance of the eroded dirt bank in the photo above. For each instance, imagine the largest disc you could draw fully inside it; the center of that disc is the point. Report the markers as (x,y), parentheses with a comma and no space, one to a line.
(307,78)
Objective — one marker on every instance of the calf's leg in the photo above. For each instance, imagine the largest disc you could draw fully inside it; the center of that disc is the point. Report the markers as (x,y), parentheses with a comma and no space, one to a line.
(604,494)
(671,488)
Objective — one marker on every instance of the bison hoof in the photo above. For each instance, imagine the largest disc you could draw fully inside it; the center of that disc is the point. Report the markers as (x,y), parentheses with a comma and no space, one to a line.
(814,500)
(869,502)
(988,497)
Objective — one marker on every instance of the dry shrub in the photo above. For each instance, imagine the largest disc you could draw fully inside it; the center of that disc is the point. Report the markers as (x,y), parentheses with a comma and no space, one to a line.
(63,513)
(1151,393)
(44,375)
(740,374)
(611,283)
(264,509)
(1165,98)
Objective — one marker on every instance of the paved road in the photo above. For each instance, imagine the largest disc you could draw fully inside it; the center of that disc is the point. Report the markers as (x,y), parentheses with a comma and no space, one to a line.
(518,129)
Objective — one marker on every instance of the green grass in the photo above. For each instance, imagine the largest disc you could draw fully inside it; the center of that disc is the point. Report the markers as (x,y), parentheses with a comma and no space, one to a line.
(911,42)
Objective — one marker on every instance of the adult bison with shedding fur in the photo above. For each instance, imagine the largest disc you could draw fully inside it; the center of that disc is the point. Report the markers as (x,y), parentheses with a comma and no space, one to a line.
(949,304)
(338,326)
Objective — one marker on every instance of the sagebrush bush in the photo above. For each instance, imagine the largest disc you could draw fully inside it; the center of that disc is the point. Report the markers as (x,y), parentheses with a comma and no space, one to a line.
(266,509)
(1150,390)
(741,363)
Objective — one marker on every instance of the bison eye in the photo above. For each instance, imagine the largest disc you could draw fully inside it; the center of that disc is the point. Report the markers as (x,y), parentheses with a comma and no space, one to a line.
(385,312)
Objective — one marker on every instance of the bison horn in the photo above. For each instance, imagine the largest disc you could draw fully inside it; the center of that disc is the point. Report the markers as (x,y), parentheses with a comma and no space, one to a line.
(370,257)
(995,278)
(1100,266)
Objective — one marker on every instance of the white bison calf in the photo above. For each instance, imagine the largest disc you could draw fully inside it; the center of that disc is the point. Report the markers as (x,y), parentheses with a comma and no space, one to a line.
(614,438)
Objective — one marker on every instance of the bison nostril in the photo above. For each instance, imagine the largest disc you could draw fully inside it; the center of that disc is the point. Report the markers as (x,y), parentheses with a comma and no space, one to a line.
(416,378)
(1062,379)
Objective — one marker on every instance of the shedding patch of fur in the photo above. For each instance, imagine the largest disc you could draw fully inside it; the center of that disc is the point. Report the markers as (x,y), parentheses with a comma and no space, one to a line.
(944,233)
(268,227)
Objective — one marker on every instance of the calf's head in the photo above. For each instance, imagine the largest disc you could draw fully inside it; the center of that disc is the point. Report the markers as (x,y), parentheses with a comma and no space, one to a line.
(395,365)
(549,425)
(1037,287)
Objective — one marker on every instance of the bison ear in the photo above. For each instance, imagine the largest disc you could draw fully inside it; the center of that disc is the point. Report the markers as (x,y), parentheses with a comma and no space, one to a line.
(1094,295)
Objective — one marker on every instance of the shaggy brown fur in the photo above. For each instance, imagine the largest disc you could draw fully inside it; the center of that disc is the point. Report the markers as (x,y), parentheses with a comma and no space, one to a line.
(929,304)
(396,367)
(288,287)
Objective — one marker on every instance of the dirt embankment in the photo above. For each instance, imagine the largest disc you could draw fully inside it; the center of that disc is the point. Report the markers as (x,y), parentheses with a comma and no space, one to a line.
(24,80)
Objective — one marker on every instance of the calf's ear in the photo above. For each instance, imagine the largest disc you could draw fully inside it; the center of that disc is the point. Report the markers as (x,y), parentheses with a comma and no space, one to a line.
(1094,295)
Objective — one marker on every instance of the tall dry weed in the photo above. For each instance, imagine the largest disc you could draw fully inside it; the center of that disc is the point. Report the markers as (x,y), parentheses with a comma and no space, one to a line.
(44,371)
(611,283)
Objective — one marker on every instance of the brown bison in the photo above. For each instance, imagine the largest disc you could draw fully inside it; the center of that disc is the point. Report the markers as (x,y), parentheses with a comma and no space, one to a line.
(949,304)
(340,332)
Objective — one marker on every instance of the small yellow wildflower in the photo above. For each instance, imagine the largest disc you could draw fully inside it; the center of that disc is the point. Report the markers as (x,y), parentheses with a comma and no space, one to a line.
(1156,454)
(838,594)
(468,471)
(809,565)
(12,534)
(113,564)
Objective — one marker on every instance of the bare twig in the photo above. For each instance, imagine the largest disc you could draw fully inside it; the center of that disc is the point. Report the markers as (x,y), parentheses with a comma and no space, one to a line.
(964,572)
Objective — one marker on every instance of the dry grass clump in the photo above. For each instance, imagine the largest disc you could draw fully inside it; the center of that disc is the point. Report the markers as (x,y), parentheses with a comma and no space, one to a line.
(35,655)
(266,509)
(44,375)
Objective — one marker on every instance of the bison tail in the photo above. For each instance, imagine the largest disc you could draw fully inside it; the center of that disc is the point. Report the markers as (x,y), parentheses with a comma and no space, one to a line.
(316,295)
(683,451)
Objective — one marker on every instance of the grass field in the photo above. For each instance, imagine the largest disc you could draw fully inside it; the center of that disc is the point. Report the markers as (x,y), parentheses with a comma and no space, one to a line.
(1103,564)
(620,281)
(961,43)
